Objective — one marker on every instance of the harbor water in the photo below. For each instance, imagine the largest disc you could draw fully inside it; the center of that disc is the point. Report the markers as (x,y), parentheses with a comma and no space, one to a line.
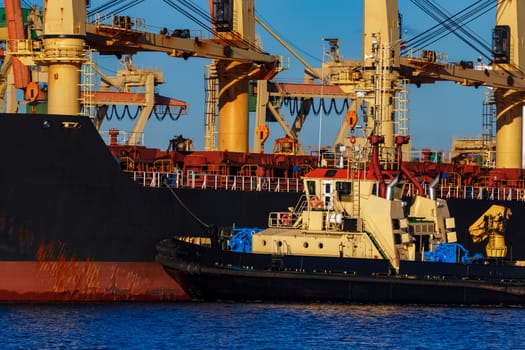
(258,326)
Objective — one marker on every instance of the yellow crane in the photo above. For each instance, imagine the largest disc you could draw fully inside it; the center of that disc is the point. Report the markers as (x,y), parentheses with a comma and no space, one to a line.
(491,225)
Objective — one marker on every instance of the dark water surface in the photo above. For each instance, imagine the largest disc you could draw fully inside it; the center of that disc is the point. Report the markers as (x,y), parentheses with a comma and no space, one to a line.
(258,326)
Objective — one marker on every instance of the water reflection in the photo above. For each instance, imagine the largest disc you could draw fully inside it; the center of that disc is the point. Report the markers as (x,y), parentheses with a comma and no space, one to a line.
(256,326)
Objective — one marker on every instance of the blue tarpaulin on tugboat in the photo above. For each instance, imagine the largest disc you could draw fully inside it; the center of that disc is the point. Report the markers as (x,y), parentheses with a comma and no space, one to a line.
(451,253)
(241,241)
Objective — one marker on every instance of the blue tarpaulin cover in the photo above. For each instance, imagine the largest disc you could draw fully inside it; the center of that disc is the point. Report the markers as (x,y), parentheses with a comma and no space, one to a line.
(451,253)
(241,241)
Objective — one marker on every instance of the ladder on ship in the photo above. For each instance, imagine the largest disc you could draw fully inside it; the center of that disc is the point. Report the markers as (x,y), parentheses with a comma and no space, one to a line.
(401,108)
(87,86)
(379,249)
(212,101)
(488,137)
(297,211)
(402,113)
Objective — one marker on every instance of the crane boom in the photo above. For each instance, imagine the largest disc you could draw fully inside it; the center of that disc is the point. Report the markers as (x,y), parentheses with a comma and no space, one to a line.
(15,29)
(116,39)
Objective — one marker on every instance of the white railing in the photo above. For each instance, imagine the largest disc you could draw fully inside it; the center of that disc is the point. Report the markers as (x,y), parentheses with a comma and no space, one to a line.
(479,192)
(192,179)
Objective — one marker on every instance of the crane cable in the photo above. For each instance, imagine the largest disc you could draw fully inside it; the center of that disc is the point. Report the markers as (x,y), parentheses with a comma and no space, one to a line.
(451,24)
(290,43)
(442,25)
(428,37)
(105,7)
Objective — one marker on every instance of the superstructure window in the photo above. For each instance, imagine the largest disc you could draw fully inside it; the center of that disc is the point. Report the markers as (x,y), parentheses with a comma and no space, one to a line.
(344,191)
(311,187)
(344,187)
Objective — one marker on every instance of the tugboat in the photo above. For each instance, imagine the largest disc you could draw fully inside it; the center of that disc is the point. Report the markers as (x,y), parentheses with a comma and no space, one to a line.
(361,233)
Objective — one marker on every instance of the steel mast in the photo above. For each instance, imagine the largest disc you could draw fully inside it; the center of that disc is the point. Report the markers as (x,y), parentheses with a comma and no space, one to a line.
(381,65)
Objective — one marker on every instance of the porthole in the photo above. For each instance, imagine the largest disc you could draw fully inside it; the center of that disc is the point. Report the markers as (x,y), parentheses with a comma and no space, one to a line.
(264,242)
(280,243)
(321,246)
(305,244)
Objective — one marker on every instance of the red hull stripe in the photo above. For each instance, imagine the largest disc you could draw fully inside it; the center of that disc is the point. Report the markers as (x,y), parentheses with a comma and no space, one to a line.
(86,281)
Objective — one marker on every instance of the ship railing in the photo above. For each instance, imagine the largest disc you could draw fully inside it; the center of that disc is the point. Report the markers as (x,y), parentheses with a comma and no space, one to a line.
(427,155)
(192,179)
(388,160)
(478,193)
(118,21)
(23,47)
(425,57)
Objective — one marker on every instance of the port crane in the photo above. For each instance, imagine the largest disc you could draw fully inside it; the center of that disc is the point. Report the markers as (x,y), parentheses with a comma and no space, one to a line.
(382,67)
(238,60)
(27,48)
(506,78)
(233,46)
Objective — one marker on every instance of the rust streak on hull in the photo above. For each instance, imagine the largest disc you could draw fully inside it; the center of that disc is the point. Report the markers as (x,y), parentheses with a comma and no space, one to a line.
(65,281)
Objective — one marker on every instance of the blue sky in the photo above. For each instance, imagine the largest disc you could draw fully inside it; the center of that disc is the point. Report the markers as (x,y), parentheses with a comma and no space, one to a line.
(438,112)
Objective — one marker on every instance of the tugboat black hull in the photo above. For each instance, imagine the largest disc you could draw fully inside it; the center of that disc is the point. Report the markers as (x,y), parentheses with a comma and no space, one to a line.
(211,274)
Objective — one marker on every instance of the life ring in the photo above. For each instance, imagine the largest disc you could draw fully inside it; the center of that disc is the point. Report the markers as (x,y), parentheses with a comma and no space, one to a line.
(352,139)
(286,219)
(351,118)
(315,202)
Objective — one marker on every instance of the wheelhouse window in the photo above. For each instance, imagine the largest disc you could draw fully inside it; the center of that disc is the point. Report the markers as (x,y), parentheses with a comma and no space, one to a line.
(344,190)
(310,187)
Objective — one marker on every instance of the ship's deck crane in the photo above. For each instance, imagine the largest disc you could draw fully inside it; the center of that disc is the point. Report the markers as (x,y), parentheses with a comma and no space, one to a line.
(238,59)
(507,78)
(491,225)
(305,92)
(127,82)
(233,46)
(382,66)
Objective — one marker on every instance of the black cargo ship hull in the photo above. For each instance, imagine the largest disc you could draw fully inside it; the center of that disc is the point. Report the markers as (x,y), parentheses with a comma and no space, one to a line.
(73,226)
(211,274)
